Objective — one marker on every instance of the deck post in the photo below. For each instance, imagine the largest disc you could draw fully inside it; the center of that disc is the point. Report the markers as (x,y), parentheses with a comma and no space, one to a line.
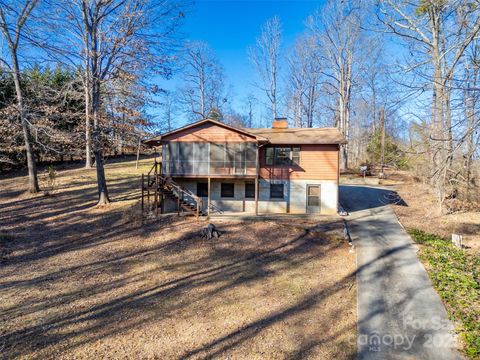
(257,168)
(198,207)
(143,183)
(256,195)
(208,191)
(148,191)
(157,195)
(178,205)
(338,179)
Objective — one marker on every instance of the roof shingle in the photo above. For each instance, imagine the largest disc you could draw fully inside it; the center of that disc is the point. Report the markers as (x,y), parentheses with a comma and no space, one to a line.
(292,136)
(288,136)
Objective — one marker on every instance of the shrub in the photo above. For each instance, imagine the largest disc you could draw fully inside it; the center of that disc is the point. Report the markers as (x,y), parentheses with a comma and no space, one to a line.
(49,179)
(394,156)
(456,276)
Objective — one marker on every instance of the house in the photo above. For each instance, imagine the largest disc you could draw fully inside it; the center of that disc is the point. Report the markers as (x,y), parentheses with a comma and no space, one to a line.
(230,169)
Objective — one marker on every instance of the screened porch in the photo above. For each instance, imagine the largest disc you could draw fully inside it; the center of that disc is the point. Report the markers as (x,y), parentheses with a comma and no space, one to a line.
(207,158)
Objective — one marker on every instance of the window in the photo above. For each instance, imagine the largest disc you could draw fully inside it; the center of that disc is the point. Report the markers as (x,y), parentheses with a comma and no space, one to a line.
(313,195)
(276,191)
(282,156)
(269,155)
(202,189)
(249,190)
(295,155)
(227,190)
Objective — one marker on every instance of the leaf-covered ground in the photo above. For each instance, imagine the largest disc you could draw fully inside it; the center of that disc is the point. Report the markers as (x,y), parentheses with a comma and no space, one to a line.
(80,282)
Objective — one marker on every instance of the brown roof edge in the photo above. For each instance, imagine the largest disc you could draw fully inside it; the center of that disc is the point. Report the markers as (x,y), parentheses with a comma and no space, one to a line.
(301,135)
(157,139)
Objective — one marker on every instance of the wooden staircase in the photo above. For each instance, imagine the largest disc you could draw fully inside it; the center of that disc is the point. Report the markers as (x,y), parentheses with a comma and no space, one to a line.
(163,188)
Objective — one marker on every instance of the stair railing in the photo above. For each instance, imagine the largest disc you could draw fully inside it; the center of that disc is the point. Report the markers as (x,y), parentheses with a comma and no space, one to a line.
(156,180)
(182,194)
(215,208)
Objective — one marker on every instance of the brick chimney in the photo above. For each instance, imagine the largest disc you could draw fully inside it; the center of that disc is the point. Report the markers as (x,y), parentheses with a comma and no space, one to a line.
(280,123)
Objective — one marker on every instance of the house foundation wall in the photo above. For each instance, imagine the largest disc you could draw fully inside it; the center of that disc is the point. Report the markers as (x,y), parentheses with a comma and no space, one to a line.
(294,200)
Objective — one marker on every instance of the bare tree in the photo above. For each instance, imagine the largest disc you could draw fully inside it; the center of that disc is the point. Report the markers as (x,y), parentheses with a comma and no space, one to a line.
(250,104)
(337,29)
(297,82)
(471,102)
(304,67)
(438,33)
(265,56)
(203,89)
(13,19)
(168,105)
(108,38)
(124,104)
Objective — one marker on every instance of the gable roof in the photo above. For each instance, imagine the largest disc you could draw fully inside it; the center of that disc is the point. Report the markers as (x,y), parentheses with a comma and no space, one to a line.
(288,136)
(157,139)
(301,136)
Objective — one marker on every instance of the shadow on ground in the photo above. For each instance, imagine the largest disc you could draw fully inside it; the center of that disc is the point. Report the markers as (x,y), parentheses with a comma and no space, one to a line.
(357,198)
(76,277)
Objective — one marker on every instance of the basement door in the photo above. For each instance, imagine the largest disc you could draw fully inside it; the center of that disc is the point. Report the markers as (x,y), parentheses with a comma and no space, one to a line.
(313,199)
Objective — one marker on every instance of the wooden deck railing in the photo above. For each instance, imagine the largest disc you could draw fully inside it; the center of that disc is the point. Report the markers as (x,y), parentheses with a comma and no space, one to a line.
(155,184)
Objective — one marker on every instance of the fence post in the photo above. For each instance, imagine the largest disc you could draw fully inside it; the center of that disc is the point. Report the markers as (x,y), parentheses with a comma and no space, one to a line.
(156,193)
(148,191)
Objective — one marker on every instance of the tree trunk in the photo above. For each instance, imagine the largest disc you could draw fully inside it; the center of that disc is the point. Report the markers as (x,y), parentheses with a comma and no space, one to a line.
(32,168)
(382,124)
(341,126)
(138,152)
(274,87)
(88,138)
(470,106)
(344,158)
(103,198)
(448,126)
(438,153)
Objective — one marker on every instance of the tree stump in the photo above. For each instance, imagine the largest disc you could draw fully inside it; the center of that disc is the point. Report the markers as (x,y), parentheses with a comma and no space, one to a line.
(210,232)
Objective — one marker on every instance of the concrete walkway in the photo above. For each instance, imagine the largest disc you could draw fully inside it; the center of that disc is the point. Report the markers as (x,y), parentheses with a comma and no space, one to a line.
(400,316)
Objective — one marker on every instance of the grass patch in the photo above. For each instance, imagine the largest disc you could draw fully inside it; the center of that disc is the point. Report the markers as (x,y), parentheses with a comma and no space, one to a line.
(456,277)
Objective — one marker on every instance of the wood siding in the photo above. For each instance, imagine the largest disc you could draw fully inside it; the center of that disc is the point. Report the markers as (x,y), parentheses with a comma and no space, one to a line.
(317,162)
(208,132)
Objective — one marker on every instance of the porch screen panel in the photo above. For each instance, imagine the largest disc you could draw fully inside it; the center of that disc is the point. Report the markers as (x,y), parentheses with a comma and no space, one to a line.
(185,157)
(239,158)
(233,158)
(217,158)
(230,149)
(200,158)
(165,158)
(250,155)
(171,154)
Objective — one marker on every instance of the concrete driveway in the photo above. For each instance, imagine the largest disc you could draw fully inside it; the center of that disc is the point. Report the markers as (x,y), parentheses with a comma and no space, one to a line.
(400,316)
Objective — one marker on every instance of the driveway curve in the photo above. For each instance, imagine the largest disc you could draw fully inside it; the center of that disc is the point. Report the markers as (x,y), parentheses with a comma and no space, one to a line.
(400,316)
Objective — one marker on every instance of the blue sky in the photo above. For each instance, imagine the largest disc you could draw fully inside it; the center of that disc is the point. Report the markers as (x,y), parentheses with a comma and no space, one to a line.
(231,26)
